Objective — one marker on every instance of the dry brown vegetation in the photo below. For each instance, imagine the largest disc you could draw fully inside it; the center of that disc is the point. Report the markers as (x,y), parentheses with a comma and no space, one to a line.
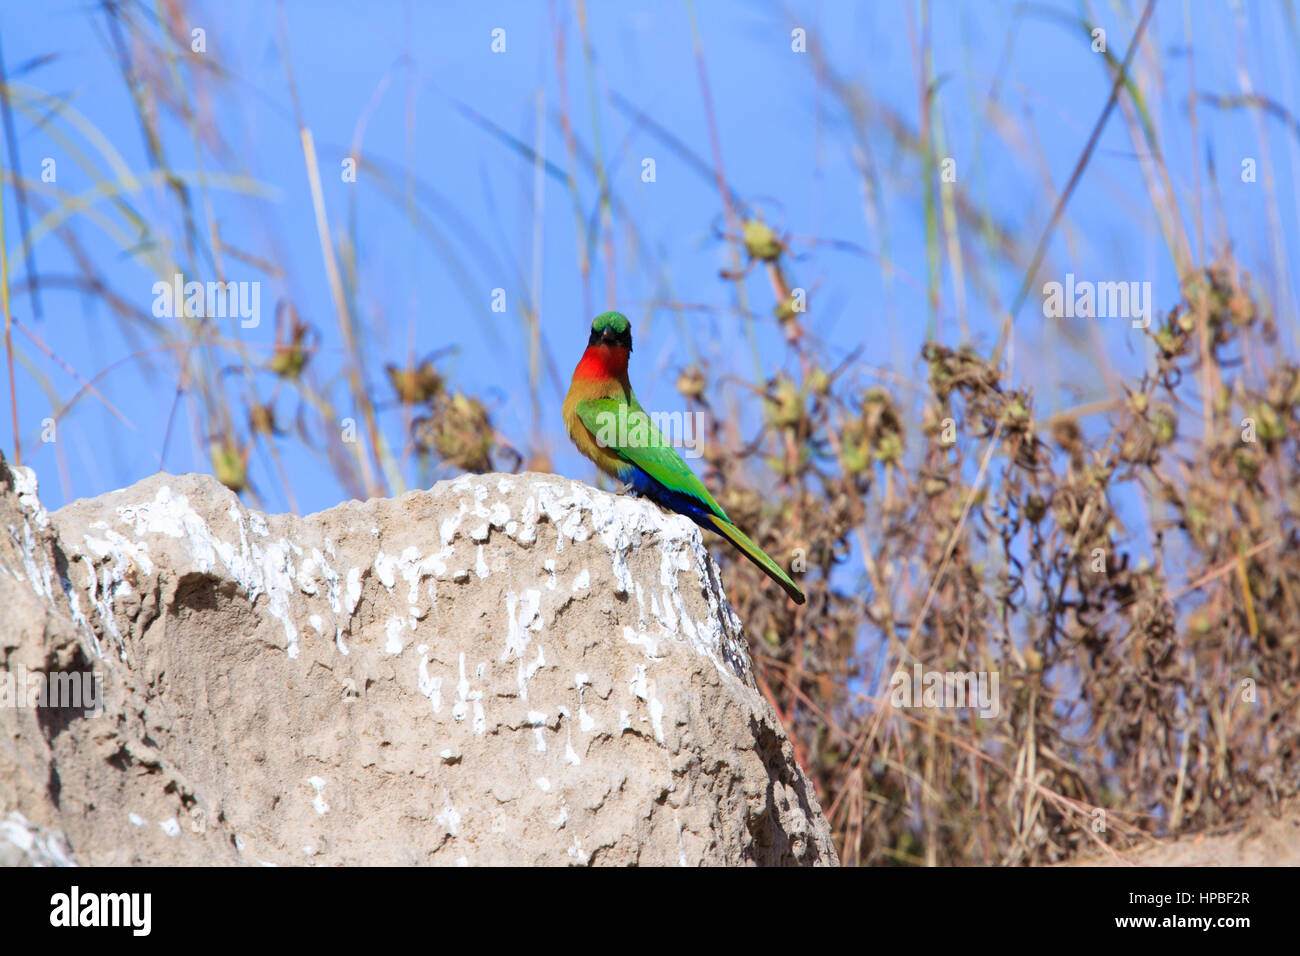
(1168,706)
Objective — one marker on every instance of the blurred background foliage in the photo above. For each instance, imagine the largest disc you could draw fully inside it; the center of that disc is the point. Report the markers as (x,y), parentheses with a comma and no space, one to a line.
(831,225)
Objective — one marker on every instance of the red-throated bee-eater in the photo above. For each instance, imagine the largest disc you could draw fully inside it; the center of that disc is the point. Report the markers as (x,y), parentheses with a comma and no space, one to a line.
(608,425)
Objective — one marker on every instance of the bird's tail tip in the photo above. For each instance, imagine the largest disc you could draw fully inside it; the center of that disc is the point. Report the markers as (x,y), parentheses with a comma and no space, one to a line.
(758,556)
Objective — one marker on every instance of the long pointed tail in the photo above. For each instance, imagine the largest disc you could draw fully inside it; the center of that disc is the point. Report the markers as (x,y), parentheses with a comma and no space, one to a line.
(756,554)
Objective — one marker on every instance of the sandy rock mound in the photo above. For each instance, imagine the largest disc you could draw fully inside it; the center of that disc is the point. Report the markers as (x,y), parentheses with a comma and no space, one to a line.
(503,669)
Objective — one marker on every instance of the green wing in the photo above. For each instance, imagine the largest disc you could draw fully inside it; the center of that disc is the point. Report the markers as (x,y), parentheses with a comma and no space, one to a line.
(642,445)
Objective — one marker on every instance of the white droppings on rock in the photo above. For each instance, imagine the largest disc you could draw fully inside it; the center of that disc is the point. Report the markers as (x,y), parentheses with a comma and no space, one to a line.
(386,570)
(527,532)
(585,721)
(330,577)
(256,569)
(414,569)
(38,845)
(657,718)
(637,684)
(537,720)
(26,488)
(649,646)
(352,596)
(318,802)
(522,615)
(465,698)
(122,550)
(577,854)
(394,628)
(479,723)
(536,664)
(622,524)
(429,685)
(307,578)
(450,525)
(449,818)
(39,577)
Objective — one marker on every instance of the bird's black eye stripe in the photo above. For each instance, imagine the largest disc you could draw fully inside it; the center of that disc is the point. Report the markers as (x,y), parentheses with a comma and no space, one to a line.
(609,336)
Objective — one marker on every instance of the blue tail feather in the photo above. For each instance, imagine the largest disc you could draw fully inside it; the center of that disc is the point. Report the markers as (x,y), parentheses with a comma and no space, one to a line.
(643,484)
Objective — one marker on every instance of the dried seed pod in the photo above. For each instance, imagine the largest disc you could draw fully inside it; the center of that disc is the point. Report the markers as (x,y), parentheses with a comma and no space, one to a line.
(229,463)
(415,386)
(461,432)
(261,420)
(760,240)
(784,403)
(691,382)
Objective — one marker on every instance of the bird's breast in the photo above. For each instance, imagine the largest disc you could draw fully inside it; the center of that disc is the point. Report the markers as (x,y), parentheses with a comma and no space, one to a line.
(605,459)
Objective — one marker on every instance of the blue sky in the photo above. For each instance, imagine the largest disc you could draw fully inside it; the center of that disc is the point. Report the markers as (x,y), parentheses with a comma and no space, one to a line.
(416,71)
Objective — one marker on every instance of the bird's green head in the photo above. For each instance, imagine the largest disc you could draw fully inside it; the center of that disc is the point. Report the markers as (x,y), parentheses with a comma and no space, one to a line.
(611,328)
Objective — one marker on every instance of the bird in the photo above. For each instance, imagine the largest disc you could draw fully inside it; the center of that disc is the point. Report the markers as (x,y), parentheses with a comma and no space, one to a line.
(600,397)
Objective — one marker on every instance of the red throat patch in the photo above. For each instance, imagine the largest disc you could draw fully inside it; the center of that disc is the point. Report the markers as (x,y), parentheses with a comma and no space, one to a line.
(600,362)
